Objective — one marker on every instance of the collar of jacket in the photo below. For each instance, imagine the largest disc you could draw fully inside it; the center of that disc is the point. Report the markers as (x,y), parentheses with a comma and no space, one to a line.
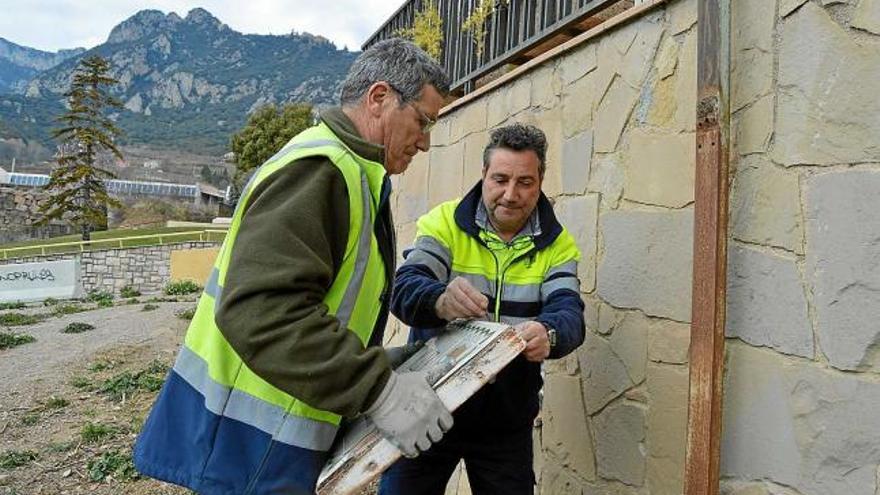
(344,128)
(466,211)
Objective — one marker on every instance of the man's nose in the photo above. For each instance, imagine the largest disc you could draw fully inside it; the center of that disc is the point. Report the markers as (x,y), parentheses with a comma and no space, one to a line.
(510,191)
(424,141)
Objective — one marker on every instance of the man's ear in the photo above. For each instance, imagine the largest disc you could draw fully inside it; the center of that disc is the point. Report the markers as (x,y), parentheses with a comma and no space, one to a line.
(377,98)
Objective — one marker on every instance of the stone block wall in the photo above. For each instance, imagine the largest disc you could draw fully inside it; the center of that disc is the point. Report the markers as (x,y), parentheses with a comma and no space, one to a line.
(803,316)
(147,269)
(619,112)
(19,212)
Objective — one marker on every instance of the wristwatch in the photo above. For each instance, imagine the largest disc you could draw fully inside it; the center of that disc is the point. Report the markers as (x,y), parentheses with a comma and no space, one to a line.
(551,336)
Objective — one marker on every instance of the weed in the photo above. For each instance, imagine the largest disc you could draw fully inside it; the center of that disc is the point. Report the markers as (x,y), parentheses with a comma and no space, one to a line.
(56,402)
(12,305)
(156,367)
(95,432)
(186,314)
(133,300)
(30,419)
(155,299)
(126,384)
(8,339)
(149,307)
(61,446)
(50,301)
(181,287)
(100,366)
(15,458)
(68,309)
(77,327)
(81,382)
(129,291)
(18,319)
(113,463)
(102,297)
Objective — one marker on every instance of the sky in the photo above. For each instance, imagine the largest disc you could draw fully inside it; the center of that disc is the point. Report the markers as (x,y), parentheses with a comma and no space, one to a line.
(51,25)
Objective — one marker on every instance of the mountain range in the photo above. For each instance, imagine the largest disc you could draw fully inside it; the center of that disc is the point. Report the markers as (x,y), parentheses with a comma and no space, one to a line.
(187,83)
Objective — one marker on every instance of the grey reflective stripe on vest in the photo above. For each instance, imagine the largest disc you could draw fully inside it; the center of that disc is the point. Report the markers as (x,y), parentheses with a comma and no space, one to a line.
(568,282)
(566,278)
(213,288)
(426,251)
(234,404)
(511,292)
(349,298)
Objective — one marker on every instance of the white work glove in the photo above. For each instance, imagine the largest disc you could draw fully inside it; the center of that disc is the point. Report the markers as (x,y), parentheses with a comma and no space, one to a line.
(409,413)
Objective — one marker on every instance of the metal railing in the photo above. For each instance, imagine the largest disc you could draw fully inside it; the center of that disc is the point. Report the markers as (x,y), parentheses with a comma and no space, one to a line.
(207,235)
(512,30)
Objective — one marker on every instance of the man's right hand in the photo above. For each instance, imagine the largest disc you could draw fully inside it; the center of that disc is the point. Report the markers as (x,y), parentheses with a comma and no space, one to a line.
(409,413)
(461,300)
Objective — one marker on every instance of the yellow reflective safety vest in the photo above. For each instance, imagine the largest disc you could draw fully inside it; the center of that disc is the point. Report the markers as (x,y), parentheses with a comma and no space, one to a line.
(218,427)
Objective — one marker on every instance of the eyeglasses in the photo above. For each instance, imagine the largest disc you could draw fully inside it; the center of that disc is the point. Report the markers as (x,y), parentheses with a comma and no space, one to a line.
(426,121)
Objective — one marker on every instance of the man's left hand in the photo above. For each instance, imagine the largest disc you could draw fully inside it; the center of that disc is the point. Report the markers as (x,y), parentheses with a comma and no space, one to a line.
(537,343)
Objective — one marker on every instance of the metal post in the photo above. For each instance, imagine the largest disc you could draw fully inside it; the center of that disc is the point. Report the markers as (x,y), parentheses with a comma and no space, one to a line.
(703,454)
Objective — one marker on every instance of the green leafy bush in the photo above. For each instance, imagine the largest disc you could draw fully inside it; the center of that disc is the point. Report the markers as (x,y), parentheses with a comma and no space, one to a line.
(9,340)
(129,291)
(56,402)
(19,319)
(186,314)
(12,305)
(112,464)
(126,384)
(181,287)
(96,432)
(102,297)
(77,327)
(68,309)
(15,458)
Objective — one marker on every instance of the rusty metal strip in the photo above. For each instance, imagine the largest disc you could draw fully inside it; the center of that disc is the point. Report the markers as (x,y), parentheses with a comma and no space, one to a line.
(702,458)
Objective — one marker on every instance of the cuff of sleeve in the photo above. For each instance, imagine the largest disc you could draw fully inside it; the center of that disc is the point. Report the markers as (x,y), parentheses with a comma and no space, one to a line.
(376,393)
(428,311)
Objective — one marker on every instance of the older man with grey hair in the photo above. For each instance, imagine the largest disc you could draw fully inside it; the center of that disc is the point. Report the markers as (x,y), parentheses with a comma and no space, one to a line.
(285,342)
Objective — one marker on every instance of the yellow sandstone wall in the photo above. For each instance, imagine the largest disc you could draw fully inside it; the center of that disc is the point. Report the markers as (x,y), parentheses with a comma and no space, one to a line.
(619,112)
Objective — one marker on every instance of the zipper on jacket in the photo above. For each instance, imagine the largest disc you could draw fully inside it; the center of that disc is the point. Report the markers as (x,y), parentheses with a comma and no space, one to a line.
(499,277)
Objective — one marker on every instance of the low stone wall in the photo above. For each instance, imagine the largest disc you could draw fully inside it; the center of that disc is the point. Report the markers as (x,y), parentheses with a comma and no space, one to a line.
(147,269)
(18,214)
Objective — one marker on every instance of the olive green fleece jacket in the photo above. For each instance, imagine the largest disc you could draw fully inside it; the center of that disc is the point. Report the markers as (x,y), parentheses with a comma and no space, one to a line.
(288,251)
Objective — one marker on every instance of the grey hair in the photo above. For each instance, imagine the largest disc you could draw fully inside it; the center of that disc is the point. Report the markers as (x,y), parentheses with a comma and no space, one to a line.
(400,63)
(518,137)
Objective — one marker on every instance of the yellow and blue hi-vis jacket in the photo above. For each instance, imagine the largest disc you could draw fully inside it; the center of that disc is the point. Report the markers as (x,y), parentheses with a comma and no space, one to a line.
(529,278)
(219,427)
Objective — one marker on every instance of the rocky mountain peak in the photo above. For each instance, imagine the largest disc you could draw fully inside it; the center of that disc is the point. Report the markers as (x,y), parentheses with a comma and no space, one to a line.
(202,17)
(144,23)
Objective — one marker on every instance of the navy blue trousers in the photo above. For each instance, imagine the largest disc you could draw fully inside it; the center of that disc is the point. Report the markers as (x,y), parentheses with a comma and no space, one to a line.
(498,464)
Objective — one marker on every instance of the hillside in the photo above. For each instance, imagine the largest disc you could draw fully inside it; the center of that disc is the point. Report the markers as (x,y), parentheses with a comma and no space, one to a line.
(186,83)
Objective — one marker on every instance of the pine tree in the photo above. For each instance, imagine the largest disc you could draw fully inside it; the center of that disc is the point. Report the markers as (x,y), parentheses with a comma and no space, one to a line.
(77,193)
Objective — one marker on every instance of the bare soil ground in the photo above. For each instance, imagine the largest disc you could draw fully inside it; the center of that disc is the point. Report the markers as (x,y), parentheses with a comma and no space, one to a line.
(71,404)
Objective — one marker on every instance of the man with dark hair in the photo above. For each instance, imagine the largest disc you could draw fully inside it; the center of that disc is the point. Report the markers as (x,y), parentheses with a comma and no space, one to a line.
(286,339)
(499,254)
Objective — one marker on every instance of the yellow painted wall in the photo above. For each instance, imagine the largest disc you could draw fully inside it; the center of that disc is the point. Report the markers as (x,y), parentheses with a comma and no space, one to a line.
(192,264)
